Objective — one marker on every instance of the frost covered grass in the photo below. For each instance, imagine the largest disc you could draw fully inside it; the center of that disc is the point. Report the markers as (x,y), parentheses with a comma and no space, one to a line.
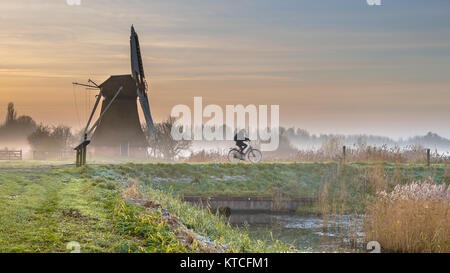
(215,227)
(44,208)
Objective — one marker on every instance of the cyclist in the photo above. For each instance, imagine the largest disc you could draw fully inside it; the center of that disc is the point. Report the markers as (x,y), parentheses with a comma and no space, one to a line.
(240,139)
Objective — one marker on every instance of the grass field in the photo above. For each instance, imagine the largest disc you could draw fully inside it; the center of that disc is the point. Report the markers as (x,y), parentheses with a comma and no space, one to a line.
(348,185)
(44,206)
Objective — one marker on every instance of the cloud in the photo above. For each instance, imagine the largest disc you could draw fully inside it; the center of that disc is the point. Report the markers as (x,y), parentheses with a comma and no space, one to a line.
(293,52)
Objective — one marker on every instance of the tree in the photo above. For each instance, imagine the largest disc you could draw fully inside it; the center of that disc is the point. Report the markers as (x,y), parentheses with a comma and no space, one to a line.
(46,138)
(40,138)
(164,144)
(16,129)
(61,134)
(11,114)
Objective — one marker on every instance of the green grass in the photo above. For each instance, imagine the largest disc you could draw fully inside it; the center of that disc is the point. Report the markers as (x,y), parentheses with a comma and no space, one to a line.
(289,180)
(32,218)
(17,164)
(344,184)
(44,206)
(214,226)
(42,209)
(265,179)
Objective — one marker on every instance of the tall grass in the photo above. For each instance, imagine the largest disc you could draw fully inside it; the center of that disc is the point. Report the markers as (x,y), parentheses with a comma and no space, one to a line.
(333,152)
(411,218)
(204,156)
(410,154)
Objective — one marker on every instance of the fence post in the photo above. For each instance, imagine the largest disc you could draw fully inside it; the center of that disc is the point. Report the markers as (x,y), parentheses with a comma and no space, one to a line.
(78,161)
(428,157)
(343,154)
(365,186)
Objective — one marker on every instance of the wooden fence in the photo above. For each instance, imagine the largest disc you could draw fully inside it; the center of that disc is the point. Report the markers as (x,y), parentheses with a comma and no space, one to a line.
(10,155)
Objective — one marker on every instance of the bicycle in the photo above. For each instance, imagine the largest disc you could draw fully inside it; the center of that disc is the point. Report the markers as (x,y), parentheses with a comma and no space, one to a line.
(252,154)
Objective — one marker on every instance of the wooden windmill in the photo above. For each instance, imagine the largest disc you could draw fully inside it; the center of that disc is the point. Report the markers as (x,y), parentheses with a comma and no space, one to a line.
(117,131)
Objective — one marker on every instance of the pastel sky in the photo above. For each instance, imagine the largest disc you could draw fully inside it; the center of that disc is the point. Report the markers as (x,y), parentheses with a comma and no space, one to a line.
(333,66)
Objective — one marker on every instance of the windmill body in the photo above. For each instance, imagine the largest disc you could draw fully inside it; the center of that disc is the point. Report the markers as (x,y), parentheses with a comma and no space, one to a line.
(118,131)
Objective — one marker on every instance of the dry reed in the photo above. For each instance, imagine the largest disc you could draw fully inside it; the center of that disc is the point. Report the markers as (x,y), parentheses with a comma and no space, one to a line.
(411,218)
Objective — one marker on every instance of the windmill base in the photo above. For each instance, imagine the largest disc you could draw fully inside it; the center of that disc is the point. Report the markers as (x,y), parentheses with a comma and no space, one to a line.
(122,151)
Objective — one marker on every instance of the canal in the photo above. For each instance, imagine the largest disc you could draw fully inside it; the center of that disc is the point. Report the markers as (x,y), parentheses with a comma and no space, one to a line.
(309,233)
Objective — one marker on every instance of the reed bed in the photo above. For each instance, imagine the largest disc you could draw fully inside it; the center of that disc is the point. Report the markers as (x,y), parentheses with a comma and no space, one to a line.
(411,218)
(409,154)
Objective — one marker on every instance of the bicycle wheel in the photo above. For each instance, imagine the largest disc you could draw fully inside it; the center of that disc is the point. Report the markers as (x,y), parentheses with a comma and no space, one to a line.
(234,156)
(254,156)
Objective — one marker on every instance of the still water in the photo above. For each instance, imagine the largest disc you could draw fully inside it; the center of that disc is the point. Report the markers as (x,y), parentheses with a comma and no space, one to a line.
(311,233)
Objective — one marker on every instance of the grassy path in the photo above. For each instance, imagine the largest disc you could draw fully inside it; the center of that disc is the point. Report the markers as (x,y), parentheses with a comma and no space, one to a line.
(42,209)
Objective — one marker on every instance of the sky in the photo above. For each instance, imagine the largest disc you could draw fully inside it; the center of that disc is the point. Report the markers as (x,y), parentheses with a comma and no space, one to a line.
(333,66)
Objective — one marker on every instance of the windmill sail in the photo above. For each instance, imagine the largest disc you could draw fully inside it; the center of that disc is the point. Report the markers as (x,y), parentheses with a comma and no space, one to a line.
(137,72)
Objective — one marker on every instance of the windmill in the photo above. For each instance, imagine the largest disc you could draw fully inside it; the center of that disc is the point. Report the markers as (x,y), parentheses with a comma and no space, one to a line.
(117,131)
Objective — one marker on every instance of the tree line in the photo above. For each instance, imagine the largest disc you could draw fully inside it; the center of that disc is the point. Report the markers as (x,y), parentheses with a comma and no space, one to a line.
(20,130)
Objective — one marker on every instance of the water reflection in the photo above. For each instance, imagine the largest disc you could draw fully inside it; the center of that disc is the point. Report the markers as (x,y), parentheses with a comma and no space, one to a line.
(338,233)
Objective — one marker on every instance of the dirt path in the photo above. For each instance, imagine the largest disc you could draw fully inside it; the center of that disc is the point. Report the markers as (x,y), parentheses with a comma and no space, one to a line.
(46,167)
